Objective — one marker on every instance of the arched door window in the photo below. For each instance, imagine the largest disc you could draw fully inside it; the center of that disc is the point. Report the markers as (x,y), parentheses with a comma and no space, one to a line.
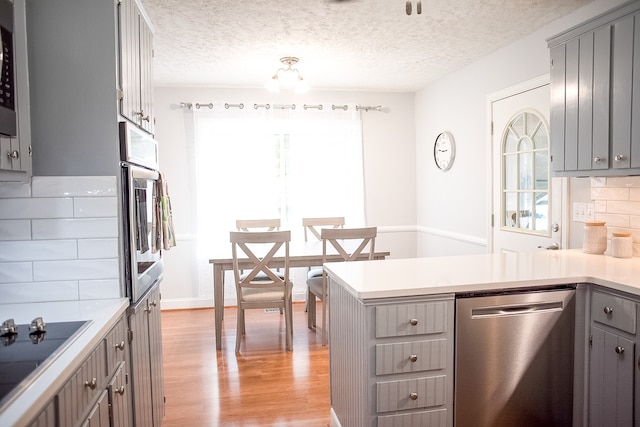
(525,174)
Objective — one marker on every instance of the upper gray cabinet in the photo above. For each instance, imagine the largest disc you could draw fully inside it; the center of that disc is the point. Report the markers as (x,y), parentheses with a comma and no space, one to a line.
(595,85)
(136,61)
(80,53)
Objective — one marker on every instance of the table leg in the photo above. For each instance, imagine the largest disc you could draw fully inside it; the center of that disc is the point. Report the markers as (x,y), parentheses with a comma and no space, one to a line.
(218,301)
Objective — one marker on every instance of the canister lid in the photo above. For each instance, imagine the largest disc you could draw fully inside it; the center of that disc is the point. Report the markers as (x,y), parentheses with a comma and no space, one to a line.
(594,223)
(621,234)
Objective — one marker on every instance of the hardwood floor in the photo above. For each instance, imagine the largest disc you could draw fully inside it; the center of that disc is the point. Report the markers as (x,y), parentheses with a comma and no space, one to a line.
(264,385)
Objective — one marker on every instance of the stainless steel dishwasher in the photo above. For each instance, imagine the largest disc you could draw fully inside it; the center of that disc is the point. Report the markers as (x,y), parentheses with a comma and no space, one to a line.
(514,359)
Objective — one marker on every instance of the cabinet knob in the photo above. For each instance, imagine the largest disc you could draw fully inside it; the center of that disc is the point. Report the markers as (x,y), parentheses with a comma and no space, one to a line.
(120,390)
(608,310)
(413,358)
(91,384)
(142,116)
(597,159)
(13,155)
(119,346)
(618,158)
(619,349)
(413,396)
(413,322)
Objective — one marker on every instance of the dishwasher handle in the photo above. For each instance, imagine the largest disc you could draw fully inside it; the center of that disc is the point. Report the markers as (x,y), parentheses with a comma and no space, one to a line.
(516,309)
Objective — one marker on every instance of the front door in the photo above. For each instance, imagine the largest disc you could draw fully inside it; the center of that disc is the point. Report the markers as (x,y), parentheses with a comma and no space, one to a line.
(527,205)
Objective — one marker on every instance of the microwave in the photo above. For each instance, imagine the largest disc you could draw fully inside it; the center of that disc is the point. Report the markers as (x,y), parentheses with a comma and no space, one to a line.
(8,116)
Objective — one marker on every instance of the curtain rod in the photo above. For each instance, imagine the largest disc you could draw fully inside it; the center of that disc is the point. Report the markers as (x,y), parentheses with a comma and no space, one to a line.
(209,105)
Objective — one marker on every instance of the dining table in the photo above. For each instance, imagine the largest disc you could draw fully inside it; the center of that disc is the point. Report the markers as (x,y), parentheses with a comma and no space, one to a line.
(301,254)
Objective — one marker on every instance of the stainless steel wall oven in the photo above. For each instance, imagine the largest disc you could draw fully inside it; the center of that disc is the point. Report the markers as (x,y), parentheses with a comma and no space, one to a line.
(142,211)
(8,117)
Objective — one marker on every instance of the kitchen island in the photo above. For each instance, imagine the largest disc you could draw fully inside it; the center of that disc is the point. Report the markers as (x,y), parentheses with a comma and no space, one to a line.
(384,313)
(45,383)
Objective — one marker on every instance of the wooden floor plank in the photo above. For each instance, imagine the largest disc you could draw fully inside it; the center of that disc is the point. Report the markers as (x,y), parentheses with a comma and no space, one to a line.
(264,385)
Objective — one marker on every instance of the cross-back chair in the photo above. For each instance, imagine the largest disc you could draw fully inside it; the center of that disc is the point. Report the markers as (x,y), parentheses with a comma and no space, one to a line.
(269,224)
(261,286)
(310,225)
(352,244)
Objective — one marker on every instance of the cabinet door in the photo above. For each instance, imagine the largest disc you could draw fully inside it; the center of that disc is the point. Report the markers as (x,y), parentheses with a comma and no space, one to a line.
(611,380)
(119,398)
(99,415)
(46,418)
(129,60)
(557,112)
(622,76)
(146,75)
(155,353)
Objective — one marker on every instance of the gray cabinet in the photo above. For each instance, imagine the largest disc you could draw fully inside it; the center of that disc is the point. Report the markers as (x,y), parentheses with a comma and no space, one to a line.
(612,368)
(391,360)
(595,96)
(75,74)
(146,360)
(97,392)
(136,57)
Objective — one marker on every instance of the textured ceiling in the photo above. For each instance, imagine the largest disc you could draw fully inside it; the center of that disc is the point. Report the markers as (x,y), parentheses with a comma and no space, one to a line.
(342,44)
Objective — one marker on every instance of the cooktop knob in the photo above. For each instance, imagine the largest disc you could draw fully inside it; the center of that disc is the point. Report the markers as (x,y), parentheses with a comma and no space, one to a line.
(8,327)
(37,325)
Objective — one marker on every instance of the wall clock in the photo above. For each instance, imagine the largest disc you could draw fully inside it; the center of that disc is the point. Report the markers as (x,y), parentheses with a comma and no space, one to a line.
(444,151)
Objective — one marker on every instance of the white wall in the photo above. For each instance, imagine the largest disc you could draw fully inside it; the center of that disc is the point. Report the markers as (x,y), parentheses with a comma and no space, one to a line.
(452,207)
(389,168)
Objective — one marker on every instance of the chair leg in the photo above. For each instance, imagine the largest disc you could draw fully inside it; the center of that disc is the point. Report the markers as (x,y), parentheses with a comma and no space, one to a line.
(239,328)
(311,309)
(288,316)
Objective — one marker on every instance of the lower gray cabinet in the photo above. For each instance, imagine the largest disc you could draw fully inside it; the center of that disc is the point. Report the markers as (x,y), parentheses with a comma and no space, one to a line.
(146,360)
(99,414)
(613,378)
(391,360)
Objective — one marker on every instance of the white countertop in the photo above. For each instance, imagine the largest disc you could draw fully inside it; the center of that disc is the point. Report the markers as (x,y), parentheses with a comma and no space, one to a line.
(101,313)
(486,272)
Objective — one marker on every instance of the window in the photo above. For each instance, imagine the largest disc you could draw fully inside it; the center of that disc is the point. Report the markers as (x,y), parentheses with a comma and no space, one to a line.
(276,164)
(525,174)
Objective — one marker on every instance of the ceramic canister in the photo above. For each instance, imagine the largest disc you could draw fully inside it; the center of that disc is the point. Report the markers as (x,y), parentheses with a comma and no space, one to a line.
(595,237)
(622,244)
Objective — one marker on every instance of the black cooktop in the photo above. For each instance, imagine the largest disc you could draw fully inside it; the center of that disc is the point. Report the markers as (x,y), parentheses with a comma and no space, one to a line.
(23,352)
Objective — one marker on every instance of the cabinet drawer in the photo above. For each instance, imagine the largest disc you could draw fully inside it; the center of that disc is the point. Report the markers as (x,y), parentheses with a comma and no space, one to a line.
(411,356)
(116,342)
(83,387)
(411,319)
(437,418)
(411,393)
(614,311)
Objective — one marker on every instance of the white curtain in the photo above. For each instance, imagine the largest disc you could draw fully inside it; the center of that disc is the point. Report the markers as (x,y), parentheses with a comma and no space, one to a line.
(275,164)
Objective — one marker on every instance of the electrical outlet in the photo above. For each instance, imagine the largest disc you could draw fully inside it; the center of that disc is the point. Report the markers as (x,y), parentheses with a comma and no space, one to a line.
(588,213)
(579,211)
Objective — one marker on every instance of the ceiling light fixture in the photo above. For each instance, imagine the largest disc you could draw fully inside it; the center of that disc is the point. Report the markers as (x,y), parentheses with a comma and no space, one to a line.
(287,77)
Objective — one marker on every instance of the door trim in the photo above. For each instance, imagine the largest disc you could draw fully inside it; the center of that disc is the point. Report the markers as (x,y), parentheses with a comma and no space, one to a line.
(527,85)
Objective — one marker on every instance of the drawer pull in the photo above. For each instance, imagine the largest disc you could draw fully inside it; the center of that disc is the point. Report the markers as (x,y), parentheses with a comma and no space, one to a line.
(608,310)
(413,358)
(619,349)
(413,322)
(91,384)
(413,396)
(119,346)
(120,390)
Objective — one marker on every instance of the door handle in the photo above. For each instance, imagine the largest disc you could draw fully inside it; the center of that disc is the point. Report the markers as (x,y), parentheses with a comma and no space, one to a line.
(552,247)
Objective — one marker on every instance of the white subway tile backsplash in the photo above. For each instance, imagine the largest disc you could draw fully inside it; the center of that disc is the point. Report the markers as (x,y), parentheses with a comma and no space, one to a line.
(38,250)
(15,229)
(97,248)
(613,220)
(36,208)
(80,228)
(623,207)
(14,272)
(99,289)
(634,222)
(95,207)
(10,190)
(75,270)
(606,193)
(600,206)
(74,186)
(39,291)
(59,239)
(623,181)
(634,194)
